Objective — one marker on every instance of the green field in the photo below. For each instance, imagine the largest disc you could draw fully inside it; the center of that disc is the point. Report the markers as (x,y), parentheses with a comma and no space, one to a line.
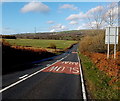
(60,44)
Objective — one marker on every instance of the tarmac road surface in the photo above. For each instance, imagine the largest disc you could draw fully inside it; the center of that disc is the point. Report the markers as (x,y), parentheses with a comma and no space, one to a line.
(57,78)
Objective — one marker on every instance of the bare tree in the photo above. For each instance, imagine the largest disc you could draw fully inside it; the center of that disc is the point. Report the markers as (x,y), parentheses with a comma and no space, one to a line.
(100,16)
(95,17)
(111,15)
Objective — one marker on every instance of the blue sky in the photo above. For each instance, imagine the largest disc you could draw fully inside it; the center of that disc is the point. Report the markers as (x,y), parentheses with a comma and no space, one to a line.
(20,17)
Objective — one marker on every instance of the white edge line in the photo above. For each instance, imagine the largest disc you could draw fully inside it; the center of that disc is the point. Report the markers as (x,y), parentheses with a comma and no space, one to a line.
(28,76)
(23,76)
(82,81)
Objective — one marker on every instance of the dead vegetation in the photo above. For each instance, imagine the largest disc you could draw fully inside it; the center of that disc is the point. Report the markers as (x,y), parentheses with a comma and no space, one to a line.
(94,48)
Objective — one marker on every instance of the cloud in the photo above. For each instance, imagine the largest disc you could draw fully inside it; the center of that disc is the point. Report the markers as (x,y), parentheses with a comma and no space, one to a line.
(87,25)
(50,22)
(35,7)
(68,6)
(74,17)
(53,30)
(102,25)
(73,23)
(113,11)
(58,27)
(83,26)
(96,9)
(82,15)
(92,25)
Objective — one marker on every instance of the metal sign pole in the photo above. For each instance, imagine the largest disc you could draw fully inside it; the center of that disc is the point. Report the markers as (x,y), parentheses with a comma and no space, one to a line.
(115,43)
(108,52)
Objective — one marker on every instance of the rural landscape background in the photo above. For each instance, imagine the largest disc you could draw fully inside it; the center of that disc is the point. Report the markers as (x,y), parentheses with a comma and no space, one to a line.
(101,75)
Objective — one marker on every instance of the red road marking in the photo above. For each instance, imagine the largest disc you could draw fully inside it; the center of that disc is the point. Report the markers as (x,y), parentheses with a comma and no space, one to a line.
(64,67)
(74,52)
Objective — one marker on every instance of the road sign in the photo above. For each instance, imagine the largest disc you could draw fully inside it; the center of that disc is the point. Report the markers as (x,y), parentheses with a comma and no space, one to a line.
(111,38)
(111,35)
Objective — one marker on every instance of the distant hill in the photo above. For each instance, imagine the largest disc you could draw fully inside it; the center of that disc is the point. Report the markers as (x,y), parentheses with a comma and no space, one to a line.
(64,35)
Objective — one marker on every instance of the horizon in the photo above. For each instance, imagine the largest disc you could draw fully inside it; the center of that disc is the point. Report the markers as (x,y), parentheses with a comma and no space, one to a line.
(49,32)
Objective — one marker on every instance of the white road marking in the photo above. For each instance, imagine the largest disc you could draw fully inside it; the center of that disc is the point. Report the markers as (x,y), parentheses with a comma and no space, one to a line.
(4,89)
(63,69)
(58,68)
(70,69)
(82,81)
(76,63)
(53,68)
(69,62)
(72,63)
(65,62)
(23,76)
(75,70)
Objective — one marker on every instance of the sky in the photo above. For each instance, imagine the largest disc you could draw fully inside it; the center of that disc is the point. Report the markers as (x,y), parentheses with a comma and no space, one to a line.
(26,17)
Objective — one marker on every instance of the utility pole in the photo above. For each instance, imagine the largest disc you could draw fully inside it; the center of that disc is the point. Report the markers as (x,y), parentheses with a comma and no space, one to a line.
(35,30)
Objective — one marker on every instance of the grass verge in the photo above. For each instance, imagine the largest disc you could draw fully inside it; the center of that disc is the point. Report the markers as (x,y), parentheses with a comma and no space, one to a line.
(96,81)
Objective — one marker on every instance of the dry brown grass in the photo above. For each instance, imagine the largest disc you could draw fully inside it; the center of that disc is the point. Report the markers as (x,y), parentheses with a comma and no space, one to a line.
(93,44)
(33,49)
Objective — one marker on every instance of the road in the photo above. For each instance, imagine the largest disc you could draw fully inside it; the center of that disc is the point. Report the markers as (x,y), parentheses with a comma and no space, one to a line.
(57,78)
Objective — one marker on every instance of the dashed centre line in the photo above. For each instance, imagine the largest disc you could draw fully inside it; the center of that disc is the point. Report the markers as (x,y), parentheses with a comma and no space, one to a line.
(67,67)
(23,76)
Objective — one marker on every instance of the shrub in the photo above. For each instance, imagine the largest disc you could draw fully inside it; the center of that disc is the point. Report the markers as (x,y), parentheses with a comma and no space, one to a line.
(52,45)
(93,44)
(8,36)
(96,43)
(5,43)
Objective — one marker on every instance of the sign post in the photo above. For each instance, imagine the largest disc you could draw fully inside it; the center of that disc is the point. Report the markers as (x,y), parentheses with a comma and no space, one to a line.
(115,44)
(111,38)
(108,53)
